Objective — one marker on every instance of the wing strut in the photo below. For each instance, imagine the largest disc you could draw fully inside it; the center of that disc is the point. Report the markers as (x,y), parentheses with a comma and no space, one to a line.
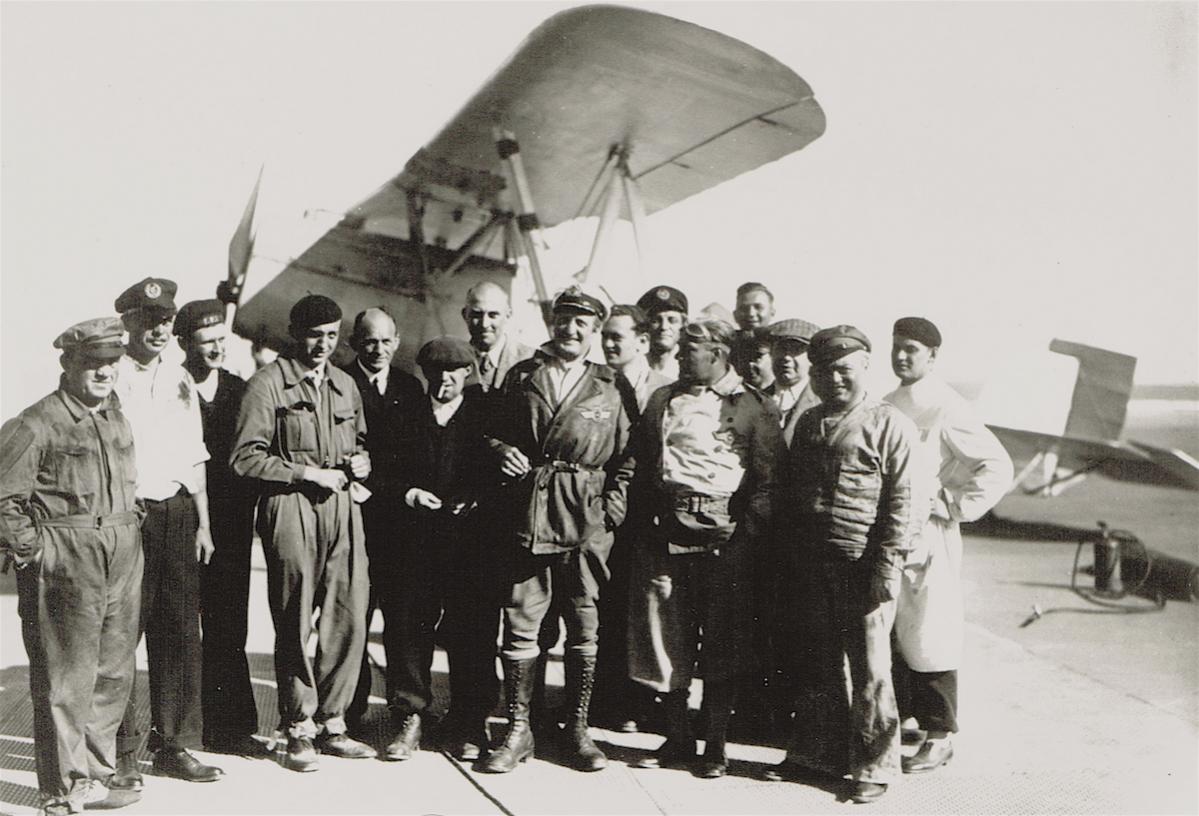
(622,188)
(528,227)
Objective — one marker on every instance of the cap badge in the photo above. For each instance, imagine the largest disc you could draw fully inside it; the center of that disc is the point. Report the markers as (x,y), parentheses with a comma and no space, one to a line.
(663,294)
(153,290)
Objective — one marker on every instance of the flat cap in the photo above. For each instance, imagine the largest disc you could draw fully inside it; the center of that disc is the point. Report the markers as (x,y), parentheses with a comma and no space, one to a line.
(198,314)
(793,329)
(101,338)
(313,310)
(578,299)
(918,329)
(445,352)
(663,299)
(151,293)
(834,343)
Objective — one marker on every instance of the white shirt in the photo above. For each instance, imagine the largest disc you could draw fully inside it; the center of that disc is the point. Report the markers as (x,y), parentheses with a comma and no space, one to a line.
(636,372)
(786,397)
(163,409)
(207,389)
(491,357)
(668,364)
(443,412)
(376,378)
(564,376)
(700,450)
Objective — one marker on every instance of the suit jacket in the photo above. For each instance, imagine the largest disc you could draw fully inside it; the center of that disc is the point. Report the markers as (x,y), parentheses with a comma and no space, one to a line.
(576,494)
(790,418)
(451,462)
(511,354)
(384,420)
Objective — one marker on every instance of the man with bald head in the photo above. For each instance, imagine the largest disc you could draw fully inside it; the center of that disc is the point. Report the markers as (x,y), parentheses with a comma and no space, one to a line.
(849,488)
(387,393)
(486,313)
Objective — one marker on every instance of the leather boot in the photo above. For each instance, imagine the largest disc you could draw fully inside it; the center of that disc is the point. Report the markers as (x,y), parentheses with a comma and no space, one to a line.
(718,705)
(540,716)
(679,747)
(518,690)
(580,679)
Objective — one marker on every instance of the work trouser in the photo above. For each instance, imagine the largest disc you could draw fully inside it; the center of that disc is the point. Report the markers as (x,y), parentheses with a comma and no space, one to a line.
(673,599)
(570,582)
(846,718)
(79,609)
(383,538)
(170,618)
(615,694)
(227,695)
(316,557)
(447,592)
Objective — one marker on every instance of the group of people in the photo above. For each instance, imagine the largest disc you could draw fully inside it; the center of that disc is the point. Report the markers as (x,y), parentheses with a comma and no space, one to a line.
(717,501)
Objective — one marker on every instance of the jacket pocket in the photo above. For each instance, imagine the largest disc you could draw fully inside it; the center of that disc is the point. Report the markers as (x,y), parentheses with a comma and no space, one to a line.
(299,429)
(73,471)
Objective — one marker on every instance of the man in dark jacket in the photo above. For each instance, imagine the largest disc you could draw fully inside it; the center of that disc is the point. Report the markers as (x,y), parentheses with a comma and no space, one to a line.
(448,571)
(388,393)
(230,715)
(561,427)
(849,488)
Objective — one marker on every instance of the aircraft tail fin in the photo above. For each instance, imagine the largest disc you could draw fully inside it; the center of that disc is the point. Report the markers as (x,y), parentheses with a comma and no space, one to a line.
(1101,390)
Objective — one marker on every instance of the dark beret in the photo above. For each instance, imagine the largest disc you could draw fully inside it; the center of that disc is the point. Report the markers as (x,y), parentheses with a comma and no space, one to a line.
(793,329)
(832,344)
(151,293)
(313,310)
(918,329)
(576,299)
(198,314)
(101,338)
(445,352)
(663,299)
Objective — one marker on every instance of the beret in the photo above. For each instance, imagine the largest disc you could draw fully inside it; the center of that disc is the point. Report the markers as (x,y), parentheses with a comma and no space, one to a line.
(198,314)
(828,345)
(150,293)
(918,329)
(313,310)
(445,352)
(792,329)
(663,299)
(576,298)
(101,338)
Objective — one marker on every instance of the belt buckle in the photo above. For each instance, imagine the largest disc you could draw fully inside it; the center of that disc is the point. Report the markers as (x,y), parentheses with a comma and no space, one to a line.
(99,522)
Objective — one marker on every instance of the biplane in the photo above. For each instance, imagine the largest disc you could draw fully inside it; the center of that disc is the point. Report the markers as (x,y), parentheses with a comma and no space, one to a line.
(1091,441)
(602,111)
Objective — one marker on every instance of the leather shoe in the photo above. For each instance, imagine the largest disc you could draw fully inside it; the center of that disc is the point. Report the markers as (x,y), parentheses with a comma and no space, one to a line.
(128,775)
(469,748)
(932,755)
(712,767)
(101,797)
(864,792)
(670,754)
(301,755)
(238,745)
(407,742)
(180,764)
(344,746)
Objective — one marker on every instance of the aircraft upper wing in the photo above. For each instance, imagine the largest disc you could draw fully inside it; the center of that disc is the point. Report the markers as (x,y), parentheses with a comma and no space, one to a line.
(693,106)
(1127,462)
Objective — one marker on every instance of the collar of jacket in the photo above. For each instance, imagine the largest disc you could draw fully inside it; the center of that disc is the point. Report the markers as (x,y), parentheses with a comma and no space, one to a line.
(293,373)
(79,411)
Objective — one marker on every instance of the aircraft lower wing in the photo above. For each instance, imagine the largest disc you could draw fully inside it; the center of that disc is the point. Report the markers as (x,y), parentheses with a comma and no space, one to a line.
(1072,457)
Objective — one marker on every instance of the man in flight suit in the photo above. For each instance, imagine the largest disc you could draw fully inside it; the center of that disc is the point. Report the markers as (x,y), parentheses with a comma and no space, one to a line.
(561,427)
(68,520)
(301,433)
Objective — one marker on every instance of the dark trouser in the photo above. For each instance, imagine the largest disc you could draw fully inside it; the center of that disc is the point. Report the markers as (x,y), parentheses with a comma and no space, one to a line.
(170,617)
(930,697)
(617,696)
(228,697)
(383,554)
(568,581)
(449,592)
(846,717)
(79,618)
(315,557)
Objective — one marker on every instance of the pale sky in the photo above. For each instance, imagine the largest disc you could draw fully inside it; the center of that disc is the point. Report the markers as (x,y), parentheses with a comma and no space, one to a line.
(1014,171)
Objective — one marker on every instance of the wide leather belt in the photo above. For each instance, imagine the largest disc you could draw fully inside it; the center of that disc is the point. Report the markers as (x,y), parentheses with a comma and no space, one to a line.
(83,522)
(699,503)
